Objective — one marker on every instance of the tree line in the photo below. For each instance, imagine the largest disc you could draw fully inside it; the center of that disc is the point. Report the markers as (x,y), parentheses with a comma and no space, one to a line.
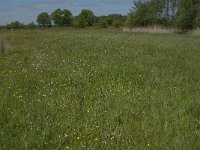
(182,14)
(64,18)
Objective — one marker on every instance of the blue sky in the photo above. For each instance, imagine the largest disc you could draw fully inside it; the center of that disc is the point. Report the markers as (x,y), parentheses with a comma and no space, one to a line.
(27,10)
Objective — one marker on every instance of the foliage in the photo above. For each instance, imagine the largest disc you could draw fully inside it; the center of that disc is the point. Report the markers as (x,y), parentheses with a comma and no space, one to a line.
(2,27)
(188,11)
(181,13)
(66,19)
(15,25)
(44,19)
(115,20)
(62,17)
(197,21)
(117,23)
(79,21)
(31,25)
(103,23)
(56,17)
(145,13)
(88,16)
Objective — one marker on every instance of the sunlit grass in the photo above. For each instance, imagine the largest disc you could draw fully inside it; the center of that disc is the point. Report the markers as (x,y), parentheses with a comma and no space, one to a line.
(100,89)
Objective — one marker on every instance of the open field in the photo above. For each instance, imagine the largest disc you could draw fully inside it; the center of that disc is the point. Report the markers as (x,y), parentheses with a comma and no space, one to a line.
(99,89)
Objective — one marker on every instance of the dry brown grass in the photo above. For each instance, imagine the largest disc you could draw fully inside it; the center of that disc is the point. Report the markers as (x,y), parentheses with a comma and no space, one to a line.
(195,32)
(5,45)
(154,29)
(158,29)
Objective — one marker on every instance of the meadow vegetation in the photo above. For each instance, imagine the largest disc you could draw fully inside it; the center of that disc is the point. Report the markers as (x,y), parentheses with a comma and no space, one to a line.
(99,89)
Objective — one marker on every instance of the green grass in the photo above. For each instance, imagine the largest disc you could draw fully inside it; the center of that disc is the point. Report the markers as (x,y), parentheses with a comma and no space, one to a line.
(99,89)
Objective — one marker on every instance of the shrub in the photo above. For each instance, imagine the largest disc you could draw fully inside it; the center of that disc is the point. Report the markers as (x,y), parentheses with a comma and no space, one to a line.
(116,23)
(31,25)
(79,22)
(15,25)
(103,23)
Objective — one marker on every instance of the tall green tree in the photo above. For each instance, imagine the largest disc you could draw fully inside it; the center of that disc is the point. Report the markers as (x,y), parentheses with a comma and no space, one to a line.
(164,12)
(187,13)
(44,19)
(66,19)
(145,13)
(62,17)
(89,16)
(56,17)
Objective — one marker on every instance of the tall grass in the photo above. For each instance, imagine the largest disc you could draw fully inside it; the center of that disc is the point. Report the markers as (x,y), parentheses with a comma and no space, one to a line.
(153,29)
(195,32)
(4,45)
(100,89)
(158,29)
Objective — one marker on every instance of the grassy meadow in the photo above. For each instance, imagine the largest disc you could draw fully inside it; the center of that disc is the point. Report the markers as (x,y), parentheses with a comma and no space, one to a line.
(99,89)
